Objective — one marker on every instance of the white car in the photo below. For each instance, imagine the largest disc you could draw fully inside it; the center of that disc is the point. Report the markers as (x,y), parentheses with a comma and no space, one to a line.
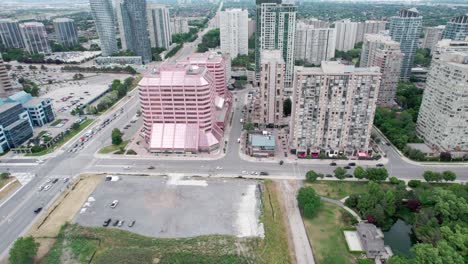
(114,203)
(245,172)
(219,168)
(127,167)
(47,187)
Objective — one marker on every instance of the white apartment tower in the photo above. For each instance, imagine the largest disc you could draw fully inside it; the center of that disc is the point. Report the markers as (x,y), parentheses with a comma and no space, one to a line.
(159,26)
(10,34)
(381,51)
(234,30)
(346,33)
(103,15)
(179,25)
(271,87)
(314,45)
(35,37)
(276,27)
(369,27)
(333,108)
(432,35)
(443,116)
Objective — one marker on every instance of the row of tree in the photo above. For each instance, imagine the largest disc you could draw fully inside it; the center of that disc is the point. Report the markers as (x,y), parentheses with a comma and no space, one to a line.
(118,90)
(114,69)
(210,40)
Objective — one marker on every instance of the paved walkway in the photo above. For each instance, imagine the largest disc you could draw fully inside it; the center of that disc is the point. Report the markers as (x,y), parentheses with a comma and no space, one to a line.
(302,247)
(340,204)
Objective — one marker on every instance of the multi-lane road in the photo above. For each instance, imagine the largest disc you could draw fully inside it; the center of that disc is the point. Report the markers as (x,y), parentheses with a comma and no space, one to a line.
(16,214)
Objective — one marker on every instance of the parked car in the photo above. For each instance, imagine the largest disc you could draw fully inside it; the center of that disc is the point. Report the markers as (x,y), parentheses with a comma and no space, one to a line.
(352,164)
(333,164)
(151,168)
(41,188)
(114,203)
(329,176)
(107,222)
(348,175)
(47,187)
(116,222)
(55,180)
(131,223)
(65,180)
(379,165)
(120,223)
(347,167)
(281,162)
(38,210)
(263,173)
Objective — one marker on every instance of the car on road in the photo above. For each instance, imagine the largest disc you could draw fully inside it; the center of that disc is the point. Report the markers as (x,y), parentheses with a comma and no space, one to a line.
(379,165)
(151,168)
(347,167)
(114,203)
(107,222)
(254,173)
(116,222)
(41,188)
(333,164)
(245,172)
(263,173)
(352,164)
(219,168)
(329,176)
(65,180)
(281,162)
(348,175)
(126,167)
(120,223)
(38,210)
(47,187)
(48,180)
(55,180)
(131,223)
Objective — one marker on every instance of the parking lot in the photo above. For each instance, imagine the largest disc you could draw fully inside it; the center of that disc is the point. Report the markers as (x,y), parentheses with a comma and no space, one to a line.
(176,206)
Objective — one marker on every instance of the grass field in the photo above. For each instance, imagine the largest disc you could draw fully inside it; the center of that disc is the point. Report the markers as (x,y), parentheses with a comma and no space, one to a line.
(77,244)
(113,148)
(64,139)
(339,189)
(325,235)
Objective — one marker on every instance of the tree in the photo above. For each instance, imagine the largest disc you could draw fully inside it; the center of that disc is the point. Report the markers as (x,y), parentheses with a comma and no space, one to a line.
(340,173)
(308,201)
(248,126)
(449,175)
(432,176)
(116,137)
(389,203)
(23,251)
(287,105)
(414,183)
(75,126)
(4,175)
(352,200)
(377,174)
(360,173)
(312,176)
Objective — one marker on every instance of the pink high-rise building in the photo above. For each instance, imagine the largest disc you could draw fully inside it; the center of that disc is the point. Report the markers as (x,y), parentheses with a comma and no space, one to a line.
(179,109)
(216,64)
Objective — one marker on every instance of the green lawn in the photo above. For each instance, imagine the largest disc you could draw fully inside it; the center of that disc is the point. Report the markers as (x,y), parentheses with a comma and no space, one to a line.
(56,122)
(339,189)
(325,235)
(64,139)
(3,182)
(112,148)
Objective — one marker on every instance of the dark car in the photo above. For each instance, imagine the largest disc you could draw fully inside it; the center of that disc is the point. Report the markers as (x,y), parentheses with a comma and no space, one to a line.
(107,222)
(131,223)
(151,168)
(348,175)
(263,173)
(347,167)
(55,180)
(329,176)
(39,209)
(333,164)
(379,165)
(116,223)
(352,164)
(281,162)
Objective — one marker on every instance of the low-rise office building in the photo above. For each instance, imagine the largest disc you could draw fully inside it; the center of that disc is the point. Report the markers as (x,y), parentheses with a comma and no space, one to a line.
(40,110)
(15,126)
(261,145)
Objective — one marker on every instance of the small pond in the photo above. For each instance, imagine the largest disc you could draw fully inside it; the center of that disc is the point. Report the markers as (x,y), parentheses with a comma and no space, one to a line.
(400,238)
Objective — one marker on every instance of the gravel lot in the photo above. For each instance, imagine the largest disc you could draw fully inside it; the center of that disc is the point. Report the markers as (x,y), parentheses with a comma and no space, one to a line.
(176,206)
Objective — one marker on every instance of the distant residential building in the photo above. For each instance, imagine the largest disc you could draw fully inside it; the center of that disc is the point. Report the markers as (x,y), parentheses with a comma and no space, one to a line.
(10,34)
(457,28)
(178,105)
(448,45)
(15,126)
(216,64)
(133,27)
(103,14)
(159,26)
(252,27)
(432,35)
(369,27)
(314,45)
(271,87)
(184,2)
(234,32)
(35,37)
(6,88)
(406,28)
(381,51)
(123,60)
(276,24)
(66,32)
(333,108)
(346,33)
(315,22)
(442,120)
(179,25)
(40,110)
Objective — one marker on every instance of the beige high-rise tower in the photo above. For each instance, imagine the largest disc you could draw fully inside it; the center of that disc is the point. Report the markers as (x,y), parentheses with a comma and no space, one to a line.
(271,87)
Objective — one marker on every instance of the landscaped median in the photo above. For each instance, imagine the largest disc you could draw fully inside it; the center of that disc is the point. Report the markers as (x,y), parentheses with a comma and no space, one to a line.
(112,149)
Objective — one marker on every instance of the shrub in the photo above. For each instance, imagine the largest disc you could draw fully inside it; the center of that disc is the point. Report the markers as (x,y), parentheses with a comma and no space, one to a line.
(394,180)
(414,183)
(311,176)
(308,201)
